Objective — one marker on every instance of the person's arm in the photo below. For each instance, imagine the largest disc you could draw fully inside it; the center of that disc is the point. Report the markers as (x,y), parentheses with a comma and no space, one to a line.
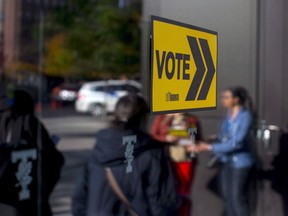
(155,129)
(80,196)
(214,138)
(159,131)
(194,121)
(38,132)
(237,140)
(51,159)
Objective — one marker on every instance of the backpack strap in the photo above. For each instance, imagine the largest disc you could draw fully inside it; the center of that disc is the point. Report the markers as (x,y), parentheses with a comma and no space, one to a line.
(9,133)
(15,129)
(3,125)
(117,190)
(26,126)
(11,129)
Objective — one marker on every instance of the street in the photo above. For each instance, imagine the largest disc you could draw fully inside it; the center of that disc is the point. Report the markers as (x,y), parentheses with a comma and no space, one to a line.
(77,134)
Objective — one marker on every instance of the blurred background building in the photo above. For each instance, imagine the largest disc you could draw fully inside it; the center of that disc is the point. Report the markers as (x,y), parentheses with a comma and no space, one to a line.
(20,19)
(1,36)
(21,49)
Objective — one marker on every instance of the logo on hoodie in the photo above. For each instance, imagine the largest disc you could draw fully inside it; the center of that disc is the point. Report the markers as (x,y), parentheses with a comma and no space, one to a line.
(23,174)
(129,142)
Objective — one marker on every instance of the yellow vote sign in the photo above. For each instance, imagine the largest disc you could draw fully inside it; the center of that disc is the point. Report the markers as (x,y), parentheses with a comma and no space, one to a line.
(183,67)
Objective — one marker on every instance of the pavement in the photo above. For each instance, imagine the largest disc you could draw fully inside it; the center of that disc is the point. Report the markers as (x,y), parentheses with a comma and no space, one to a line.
(77,138)
(77,133)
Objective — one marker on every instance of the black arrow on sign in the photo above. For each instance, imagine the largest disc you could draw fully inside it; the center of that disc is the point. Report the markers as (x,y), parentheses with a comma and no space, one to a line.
(192,93)
(210,70)
(200,72)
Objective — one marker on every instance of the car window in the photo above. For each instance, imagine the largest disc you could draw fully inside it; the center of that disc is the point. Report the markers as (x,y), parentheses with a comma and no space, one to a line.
(97,88)
(131,89)
(112,88)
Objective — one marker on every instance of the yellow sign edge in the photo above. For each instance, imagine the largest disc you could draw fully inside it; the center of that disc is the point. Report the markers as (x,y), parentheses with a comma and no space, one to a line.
(151,57)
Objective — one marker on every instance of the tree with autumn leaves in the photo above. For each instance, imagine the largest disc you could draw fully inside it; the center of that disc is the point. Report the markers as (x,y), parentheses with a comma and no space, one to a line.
(93,39)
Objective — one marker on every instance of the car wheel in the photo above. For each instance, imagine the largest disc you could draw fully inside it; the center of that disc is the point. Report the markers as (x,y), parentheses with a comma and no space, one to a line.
(97,110)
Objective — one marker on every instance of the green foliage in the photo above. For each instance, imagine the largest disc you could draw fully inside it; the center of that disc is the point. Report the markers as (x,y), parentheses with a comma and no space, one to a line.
(100,38)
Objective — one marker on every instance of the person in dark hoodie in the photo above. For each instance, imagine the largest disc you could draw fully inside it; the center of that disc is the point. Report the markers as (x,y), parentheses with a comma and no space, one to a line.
(128,173)
(21,130)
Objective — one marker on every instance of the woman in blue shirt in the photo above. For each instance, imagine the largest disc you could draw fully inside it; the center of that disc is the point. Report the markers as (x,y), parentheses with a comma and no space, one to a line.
(234,148)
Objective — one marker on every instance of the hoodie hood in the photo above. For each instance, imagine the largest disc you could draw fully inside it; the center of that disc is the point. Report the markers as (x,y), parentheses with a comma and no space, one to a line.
(111,151)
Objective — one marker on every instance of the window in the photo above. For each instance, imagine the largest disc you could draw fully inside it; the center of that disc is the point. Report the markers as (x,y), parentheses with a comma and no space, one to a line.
(113,88)
(98,88)
(131,89)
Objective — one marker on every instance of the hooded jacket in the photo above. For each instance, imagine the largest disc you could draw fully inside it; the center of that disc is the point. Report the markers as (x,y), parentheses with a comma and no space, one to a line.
(25,131)
(148,184)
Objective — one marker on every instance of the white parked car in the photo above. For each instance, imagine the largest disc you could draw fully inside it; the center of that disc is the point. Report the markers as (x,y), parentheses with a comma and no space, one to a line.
(100,97)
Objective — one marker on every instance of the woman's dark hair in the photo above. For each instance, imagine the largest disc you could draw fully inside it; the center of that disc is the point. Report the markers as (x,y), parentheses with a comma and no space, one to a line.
(23,103)
(243,96)
(130,112)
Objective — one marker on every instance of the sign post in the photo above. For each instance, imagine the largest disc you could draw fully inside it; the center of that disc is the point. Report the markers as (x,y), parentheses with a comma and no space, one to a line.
(183,67)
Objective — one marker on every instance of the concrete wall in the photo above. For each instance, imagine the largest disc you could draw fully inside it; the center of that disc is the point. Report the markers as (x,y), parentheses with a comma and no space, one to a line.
(252,52)
(274,62)
(285,71)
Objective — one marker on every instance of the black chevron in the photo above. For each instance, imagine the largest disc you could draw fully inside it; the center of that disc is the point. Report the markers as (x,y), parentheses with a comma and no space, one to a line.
(210,70)
(192,93)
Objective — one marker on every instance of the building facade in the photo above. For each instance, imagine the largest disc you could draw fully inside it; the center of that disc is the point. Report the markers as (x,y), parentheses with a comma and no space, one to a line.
(20,21)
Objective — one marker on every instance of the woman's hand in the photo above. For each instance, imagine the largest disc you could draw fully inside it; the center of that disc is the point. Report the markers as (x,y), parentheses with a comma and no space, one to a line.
(172,138)
(201,147)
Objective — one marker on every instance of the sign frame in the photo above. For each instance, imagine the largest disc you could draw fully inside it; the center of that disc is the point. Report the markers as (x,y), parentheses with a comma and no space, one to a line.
(151,64)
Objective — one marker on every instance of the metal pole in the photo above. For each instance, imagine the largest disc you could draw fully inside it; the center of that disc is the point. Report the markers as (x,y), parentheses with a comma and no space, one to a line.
(2,41)
(39,135)
(258,45)
(260,101)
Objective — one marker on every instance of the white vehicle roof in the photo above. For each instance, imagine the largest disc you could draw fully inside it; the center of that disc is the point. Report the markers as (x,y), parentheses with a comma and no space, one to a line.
(112,82)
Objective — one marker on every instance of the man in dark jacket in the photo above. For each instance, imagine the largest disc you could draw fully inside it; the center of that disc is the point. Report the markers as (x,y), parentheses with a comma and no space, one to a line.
(136,162)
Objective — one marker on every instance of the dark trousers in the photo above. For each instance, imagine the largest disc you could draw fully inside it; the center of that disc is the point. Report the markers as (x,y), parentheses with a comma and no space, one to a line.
(234,183)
